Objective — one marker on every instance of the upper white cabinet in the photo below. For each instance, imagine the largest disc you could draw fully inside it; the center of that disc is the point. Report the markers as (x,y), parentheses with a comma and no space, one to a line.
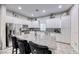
(53,23)
(34,24)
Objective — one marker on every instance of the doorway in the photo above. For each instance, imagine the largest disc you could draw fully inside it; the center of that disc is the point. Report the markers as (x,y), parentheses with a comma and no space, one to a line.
(8,33)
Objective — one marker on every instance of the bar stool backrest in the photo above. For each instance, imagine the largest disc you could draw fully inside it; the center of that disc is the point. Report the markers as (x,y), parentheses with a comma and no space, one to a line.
(24,47)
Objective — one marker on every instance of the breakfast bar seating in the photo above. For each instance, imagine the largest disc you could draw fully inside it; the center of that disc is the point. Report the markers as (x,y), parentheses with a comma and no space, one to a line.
(36,44)
(39,49)
(24,47)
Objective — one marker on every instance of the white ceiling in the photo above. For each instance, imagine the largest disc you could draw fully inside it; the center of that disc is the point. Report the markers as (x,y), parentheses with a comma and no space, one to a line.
(29,9)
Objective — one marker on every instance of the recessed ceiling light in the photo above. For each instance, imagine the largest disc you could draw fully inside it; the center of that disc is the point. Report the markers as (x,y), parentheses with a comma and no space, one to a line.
(44,11)
(60,6)
(19,8)
(32,14)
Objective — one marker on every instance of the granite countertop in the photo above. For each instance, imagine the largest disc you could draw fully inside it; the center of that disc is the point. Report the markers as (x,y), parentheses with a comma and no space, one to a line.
(41,38)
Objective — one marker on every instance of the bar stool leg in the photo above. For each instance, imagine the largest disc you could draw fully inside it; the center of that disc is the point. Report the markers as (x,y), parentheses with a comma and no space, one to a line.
(12,50)
(16,50)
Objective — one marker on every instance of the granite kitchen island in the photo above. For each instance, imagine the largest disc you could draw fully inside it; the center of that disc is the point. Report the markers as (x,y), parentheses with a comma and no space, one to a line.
(41,38)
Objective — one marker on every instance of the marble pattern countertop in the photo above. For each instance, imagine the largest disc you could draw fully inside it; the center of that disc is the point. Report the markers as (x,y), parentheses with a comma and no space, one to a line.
(41,38)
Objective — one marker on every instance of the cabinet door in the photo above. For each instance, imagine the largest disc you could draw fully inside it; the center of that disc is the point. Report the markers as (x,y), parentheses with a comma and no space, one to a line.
(34,24)
(54,23)
(65,29)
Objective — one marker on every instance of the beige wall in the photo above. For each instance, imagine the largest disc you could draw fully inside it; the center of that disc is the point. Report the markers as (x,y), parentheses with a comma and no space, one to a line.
(74,27)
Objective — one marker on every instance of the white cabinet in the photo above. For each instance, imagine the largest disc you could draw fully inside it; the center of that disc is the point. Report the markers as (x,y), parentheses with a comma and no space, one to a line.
(34,24)
(54,23)
(64,23)
(65,30)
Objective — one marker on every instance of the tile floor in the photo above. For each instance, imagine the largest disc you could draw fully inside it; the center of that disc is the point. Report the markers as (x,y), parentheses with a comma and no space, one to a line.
(61,49)
(64,49)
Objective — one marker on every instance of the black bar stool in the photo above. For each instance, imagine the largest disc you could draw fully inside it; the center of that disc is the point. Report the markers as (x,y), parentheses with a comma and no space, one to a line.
(24,47)
(39,49)
(14,44)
